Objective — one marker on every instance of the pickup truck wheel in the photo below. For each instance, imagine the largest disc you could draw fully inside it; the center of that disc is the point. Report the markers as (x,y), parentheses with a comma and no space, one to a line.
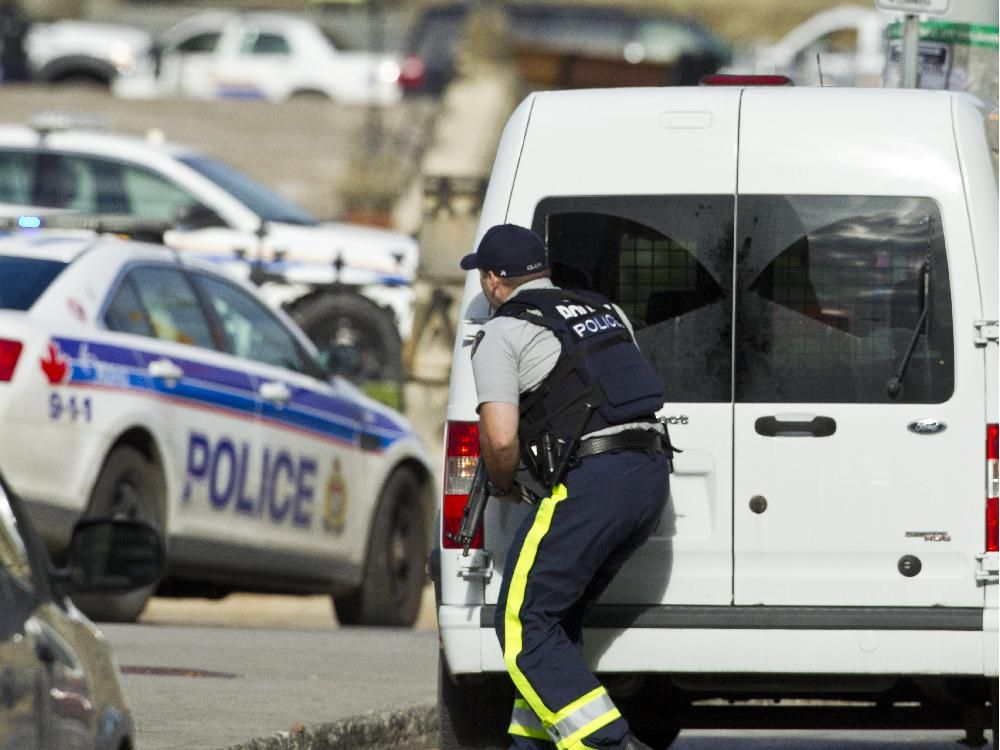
(474,713)
(394,578)
(360,339)
(129,486)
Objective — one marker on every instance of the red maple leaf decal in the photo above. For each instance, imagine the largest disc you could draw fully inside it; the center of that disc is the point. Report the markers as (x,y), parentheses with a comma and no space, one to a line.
(56,367)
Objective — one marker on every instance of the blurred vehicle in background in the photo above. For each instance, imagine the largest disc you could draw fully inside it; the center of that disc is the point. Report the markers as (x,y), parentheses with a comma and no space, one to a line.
(350,287)
(14,24)
(84,52)
(139,382)
(849,41)
(269,56)
(61,687)
(565,46)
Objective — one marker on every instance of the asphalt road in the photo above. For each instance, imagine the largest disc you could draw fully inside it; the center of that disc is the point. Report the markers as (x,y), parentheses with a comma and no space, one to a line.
(204,675)
(816,740)
(253,666)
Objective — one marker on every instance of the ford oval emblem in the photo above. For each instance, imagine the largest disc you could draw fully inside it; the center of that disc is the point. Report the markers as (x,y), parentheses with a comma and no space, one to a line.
(926,426)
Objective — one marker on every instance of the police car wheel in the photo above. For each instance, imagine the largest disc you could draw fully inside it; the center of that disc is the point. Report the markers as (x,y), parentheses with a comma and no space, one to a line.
(129,486)
(474,713)
(394,577)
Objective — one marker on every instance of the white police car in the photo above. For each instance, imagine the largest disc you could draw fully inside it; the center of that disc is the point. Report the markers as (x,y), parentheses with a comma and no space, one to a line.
(265,56)
(139,382)
(349,287)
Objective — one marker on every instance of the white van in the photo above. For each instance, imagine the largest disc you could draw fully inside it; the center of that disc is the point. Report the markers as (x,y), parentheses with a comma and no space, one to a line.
(813,272)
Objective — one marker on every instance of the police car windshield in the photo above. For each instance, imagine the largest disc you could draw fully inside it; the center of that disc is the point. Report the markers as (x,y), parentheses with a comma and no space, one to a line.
(268,205)
(24,280)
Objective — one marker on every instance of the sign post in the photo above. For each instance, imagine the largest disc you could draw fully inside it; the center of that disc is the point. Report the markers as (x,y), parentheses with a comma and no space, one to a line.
(910,61)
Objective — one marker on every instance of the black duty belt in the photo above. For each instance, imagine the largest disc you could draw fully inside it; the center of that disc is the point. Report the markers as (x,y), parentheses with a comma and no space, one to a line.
(619,441)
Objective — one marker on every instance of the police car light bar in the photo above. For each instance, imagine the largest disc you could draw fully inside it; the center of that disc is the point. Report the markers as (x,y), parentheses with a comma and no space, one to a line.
(44,123)
(737,79)
(147,230)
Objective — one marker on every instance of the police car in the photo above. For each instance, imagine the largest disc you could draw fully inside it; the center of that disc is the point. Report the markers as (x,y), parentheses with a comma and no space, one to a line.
(136,381)
(265,56)
(349,287)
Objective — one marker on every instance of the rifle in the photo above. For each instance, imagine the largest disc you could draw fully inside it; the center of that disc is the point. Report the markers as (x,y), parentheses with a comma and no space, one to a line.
(472,516)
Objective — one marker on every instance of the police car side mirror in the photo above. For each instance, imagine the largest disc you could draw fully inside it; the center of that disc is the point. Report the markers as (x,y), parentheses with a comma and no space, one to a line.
(113,555)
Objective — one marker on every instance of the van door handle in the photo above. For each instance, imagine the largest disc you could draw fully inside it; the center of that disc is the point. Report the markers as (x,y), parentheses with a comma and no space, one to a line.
(816,427)
(275,391)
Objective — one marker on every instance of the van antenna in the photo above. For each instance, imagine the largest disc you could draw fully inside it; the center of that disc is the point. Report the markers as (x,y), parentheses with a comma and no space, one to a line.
(819,67)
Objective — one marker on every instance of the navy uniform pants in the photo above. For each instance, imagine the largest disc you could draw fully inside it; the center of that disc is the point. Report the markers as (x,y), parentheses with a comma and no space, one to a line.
(563,556)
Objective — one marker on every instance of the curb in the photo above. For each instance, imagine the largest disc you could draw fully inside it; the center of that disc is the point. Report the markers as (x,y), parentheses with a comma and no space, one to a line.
(413,728)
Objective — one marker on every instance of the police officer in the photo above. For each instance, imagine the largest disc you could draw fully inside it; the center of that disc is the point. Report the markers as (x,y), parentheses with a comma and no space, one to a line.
(563,389)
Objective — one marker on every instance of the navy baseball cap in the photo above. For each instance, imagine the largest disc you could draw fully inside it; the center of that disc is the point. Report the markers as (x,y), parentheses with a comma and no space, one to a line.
(508,250)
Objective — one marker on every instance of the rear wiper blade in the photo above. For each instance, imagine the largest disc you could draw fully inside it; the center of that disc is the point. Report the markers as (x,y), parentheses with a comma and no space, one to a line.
(896,381)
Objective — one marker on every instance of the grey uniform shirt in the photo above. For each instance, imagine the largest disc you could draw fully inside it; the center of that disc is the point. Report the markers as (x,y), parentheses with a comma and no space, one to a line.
(513,356)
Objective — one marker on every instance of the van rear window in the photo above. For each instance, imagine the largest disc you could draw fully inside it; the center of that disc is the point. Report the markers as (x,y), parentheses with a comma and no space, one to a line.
(667,262)
(22,280)
(837,296)
(838,299)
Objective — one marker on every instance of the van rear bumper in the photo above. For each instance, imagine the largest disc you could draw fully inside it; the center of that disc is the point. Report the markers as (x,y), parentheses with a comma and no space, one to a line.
(789,640)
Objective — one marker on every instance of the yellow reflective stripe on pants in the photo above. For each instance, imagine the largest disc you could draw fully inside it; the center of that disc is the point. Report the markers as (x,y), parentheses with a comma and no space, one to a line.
(515,598)
(524,722)
(582,717)
(575,740)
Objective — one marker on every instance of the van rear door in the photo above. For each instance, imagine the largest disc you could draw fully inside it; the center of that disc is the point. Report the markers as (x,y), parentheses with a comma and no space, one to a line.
(634,195)
(858,394)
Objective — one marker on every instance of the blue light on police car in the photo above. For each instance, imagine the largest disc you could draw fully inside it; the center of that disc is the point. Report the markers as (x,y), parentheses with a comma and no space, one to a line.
(29,222)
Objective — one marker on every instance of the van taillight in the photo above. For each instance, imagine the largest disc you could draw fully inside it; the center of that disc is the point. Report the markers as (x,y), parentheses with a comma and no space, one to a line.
(10,351)
(992,487)
(461,455)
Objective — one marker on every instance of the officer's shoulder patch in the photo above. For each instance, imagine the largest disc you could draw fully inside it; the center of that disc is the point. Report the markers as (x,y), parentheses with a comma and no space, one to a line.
(475,344)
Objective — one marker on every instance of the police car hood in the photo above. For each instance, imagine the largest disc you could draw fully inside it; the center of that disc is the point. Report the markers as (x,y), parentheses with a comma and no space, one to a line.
(356,252)
(321,253)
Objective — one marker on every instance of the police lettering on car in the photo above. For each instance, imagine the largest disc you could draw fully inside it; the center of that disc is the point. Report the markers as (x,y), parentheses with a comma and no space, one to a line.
(285,485)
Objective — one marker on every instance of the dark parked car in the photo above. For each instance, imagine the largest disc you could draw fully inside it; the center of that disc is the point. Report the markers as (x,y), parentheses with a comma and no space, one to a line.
(570,46)
(59,684)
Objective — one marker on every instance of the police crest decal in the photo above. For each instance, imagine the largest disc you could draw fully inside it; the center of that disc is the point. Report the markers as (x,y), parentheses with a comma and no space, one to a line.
(335,502)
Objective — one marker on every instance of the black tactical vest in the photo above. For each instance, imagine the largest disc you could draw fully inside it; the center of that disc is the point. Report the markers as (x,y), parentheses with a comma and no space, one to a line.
(600,365)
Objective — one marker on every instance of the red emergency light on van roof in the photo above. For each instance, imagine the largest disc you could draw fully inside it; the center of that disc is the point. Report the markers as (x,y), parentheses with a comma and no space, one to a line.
(739,79)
